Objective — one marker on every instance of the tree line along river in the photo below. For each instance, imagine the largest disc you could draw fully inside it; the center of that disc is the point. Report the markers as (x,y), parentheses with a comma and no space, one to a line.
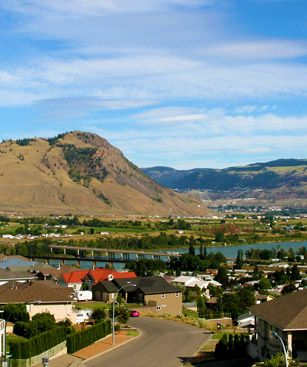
(227,251)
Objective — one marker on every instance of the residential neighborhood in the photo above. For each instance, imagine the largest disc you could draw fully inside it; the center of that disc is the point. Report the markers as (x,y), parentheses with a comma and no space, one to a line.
(250,299)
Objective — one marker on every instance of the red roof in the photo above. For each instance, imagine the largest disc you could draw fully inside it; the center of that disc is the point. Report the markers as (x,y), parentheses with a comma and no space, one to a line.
(99,275)
(74,276)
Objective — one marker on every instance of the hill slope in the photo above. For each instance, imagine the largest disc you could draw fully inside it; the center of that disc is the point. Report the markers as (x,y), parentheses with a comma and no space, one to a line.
(81,173)
(277,180)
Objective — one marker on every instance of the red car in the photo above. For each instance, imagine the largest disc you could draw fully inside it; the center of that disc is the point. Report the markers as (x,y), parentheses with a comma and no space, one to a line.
(134,313)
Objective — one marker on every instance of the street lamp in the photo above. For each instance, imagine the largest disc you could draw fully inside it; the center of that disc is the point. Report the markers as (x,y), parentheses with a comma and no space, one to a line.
(274,333)
(128,284)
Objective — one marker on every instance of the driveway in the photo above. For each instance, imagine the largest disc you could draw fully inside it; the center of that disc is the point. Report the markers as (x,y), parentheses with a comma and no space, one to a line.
(163,344)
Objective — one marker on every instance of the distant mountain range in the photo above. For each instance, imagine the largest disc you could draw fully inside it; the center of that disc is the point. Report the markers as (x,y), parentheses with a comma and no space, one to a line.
(81,173)
(276,180)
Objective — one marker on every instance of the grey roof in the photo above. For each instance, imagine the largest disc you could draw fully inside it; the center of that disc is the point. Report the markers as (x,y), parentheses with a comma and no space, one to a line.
(34,291)
(105,285)
(287,312)
(147,285)
(15,275)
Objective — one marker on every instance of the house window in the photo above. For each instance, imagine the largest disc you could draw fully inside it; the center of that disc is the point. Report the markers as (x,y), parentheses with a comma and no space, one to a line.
(162,295)
(177,294)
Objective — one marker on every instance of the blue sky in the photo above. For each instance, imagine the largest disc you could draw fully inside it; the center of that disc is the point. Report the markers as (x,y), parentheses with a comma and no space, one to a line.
(181,83)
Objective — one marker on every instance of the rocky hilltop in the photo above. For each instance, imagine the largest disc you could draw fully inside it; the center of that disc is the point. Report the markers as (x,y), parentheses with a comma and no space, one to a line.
(81,173)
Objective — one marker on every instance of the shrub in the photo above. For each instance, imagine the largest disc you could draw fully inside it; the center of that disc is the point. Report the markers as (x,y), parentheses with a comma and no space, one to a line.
(99,314)
(83,338)
(230,346)
(43,321)
(23,329)
(15,313)
(24,349)
(278,360)
(122,314)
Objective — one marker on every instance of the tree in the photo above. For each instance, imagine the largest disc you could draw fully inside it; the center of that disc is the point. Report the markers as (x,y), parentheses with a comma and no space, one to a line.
(219,236)
(221,348)
(222,276)
(264,283)
(201,306)
(43,321)
(99,314)
(15,313)
(289,288)
(246,298)
(295,273)
(122,314)
(239,260)
(191,249)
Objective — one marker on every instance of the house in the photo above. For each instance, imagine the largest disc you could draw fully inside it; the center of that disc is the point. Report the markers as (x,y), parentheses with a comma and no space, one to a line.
(104,291)
(154,292)
(73,279)
(101,274)
(246,320)
(192,282)
(77,278)
(263,298)
(17,276)
(39,297)
(287,316)
(52,273)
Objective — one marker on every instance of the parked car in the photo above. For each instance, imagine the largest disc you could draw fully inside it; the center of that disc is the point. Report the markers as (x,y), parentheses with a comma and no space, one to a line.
(134,313)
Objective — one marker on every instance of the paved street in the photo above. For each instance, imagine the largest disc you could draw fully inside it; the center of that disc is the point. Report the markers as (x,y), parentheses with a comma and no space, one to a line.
(162,344)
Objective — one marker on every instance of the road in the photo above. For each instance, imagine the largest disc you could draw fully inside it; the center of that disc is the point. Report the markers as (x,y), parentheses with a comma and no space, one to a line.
(163,344)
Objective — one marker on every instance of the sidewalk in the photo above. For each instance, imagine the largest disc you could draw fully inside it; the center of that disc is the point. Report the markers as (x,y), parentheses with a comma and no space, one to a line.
(100,347)
(104,345)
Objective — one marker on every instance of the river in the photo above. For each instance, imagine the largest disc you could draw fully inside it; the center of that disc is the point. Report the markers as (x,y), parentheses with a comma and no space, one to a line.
(231,251)
(227,251)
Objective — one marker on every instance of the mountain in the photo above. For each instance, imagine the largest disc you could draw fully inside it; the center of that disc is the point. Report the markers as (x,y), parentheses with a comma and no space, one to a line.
(81,173)
(281,179)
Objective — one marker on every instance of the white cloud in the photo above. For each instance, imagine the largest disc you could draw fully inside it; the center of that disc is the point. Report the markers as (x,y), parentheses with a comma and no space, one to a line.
(67,8)
(223,140)
(160,77)
(259,50)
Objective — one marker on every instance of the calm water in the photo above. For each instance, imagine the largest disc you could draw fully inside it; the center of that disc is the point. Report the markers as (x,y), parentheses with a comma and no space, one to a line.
(15,261)
(231,251)
(228,251)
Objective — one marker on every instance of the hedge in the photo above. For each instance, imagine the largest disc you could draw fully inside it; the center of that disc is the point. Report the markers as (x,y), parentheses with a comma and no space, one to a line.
(83,338)
(27,348)
(231,346)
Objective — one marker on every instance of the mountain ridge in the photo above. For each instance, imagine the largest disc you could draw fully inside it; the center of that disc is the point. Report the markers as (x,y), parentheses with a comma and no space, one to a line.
(273,180)
(82,173)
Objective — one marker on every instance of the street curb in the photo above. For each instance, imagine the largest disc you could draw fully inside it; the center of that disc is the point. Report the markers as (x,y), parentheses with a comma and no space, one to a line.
(114,346)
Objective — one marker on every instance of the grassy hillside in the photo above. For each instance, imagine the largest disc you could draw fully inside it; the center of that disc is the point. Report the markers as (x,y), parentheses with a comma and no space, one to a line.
(81,173)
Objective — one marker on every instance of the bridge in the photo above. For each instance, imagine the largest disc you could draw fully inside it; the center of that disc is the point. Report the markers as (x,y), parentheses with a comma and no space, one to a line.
(94,255)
